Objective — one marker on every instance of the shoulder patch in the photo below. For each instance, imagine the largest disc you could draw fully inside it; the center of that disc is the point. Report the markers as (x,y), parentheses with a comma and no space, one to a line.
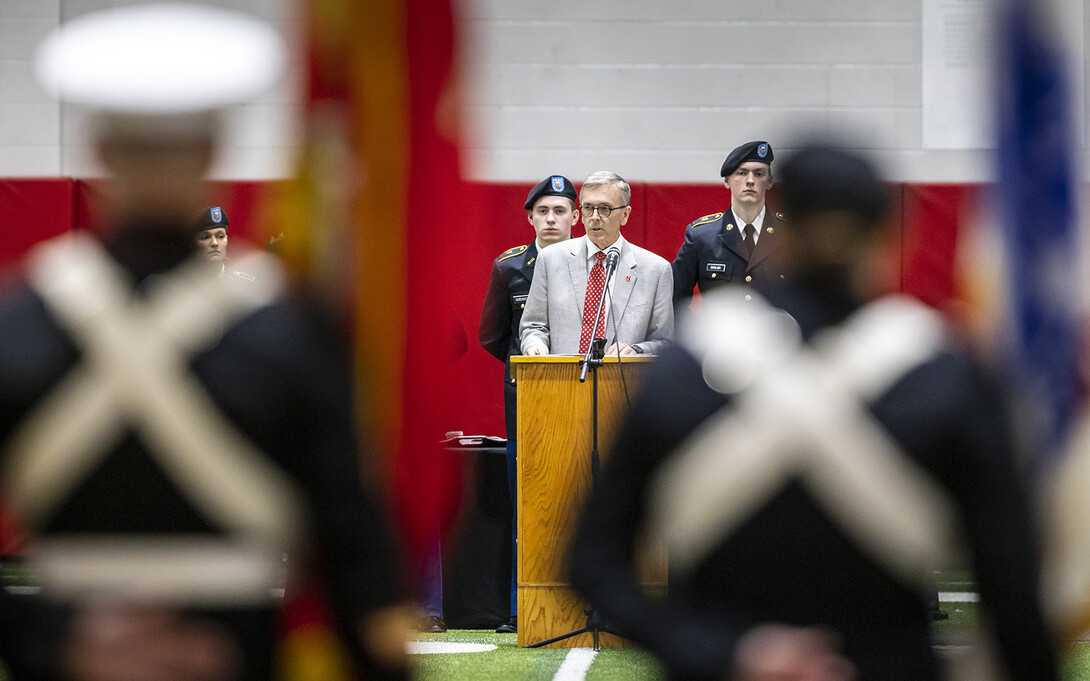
(511,252)
(706,219)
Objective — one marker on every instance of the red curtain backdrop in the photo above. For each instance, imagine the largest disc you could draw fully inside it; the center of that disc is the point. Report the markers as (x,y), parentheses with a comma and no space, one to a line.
(33,210)
(932,213)
(446,260)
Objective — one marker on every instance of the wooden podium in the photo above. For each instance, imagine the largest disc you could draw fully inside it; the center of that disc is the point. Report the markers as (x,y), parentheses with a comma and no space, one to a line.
(555,437)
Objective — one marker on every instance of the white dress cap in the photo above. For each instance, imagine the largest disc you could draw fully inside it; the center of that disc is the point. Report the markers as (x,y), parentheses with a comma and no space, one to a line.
(160,59)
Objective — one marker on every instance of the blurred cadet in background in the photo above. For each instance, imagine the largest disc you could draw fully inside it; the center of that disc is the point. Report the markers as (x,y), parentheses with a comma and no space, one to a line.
(807,466)
(551,206)
(168,438)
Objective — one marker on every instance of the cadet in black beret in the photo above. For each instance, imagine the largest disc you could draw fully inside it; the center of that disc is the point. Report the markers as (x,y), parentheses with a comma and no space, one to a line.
(738,245)
(761,152)
(211,228)
(556,185)
(552,206)
(210,218)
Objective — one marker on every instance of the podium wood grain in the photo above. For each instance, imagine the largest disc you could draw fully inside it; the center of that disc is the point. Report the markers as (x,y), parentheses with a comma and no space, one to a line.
(555,438)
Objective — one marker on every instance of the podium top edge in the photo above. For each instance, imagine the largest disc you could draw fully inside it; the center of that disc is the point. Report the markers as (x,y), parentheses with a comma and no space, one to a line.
(576,359)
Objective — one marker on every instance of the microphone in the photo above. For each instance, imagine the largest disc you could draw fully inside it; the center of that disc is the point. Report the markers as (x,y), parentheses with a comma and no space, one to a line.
(597,345)
(612,256)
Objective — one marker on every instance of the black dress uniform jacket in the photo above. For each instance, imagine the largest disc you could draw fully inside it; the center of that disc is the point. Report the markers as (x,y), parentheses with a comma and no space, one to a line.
(281,377)
(713,254)
(508,287)
(789,562)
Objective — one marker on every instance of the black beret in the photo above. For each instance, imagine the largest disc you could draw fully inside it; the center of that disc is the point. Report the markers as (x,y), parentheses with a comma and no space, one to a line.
(819,177)
(210,218)
(750,151)
(554,185)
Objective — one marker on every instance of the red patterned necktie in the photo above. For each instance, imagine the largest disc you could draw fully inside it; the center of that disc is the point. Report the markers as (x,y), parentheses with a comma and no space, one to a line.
(595,283)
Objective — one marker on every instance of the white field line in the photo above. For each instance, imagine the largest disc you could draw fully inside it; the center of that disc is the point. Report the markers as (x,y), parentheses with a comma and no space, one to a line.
(441,647)
(958,597)
(575,665)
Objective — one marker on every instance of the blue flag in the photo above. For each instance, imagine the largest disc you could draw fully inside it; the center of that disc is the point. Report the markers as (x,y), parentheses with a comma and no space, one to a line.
(1038,213)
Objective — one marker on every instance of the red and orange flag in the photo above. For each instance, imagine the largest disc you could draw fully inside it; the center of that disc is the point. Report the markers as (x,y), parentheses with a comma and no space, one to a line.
(366,223)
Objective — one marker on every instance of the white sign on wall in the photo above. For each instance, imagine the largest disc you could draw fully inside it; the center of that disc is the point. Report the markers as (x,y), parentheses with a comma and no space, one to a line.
(957,74)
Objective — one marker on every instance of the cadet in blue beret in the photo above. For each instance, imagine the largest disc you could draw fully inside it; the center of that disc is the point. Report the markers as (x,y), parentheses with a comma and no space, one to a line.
(740,244)
(552,206)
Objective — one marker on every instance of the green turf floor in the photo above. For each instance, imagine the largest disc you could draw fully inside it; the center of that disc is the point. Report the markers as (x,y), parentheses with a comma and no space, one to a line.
(508,662)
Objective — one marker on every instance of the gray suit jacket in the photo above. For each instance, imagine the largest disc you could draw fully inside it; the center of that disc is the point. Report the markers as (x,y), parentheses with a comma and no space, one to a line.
(643,288)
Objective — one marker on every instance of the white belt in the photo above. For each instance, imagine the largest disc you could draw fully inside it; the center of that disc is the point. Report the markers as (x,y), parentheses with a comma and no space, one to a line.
(194,571)
(134,377)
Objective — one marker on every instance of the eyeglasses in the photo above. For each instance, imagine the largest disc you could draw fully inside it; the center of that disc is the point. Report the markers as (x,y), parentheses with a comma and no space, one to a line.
(603,211)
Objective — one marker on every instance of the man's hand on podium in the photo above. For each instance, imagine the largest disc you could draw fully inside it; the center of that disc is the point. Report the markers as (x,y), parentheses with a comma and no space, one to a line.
(625,350)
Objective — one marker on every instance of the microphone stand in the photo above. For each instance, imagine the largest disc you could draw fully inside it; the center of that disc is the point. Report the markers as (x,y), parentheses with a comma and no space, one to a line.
(593,356)
(593,359)
(589,359)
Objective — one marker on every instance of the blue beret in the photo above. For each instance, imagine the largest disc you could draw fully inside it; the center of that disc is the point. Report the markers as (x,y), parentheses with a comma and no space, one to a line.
(750,151)
(210,218)
(554,185)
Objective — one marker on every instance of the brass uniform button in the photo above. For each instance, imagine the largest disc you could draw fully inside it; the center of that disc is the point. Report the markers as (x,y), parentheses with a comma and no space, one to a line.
(749,278)
(748,297)
(730,227)
(713,275)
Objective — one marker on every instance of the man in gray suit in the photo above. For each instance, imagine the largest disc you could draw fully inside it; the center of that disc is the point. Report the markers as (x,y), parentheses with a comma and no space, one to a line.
(638,316)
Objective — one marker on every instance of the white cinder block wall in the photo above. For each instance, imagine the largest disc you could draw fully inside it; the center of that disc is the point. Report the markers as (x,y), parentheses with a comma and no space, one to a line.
(40,138)
(30,123)
(656,90)
(660,91)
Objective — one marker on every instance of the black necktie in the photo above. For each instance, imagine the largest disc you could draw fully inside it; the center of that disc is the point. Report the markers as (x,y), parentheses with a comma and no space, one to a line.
(748,239)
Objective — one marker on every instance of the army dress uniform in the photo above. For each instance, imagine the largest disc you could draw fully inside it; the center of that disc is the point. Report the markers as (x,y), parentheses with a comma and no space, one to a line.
(713,254)
(508,288)
(501,316)
(714,251)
